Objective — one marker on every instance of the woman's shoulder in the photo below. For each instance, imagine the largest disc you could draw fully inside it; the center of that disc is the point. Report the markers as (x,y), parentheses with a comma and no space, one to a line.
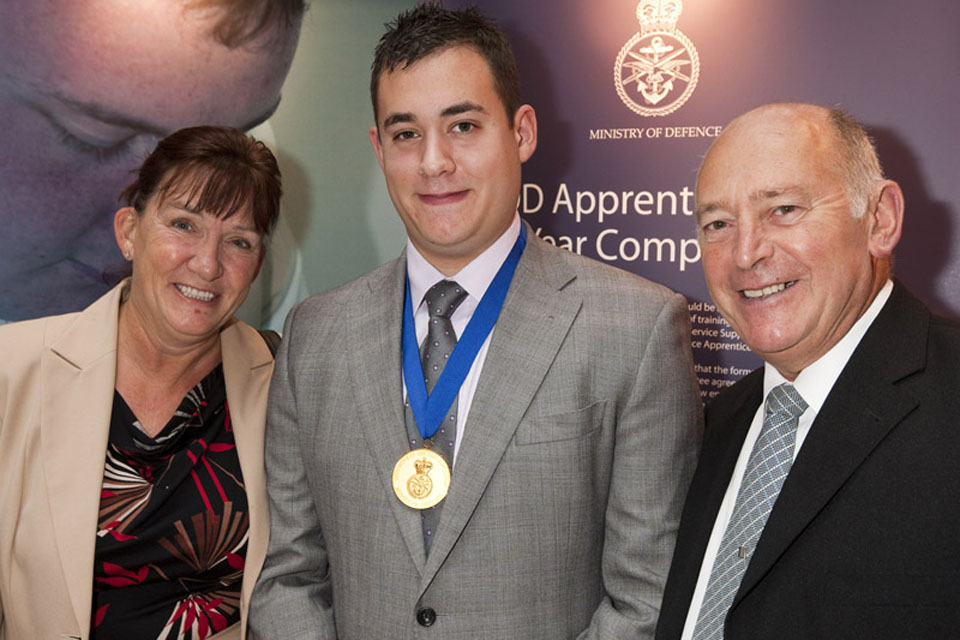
(238,336)
(29,335)
(98,318)
(22,345)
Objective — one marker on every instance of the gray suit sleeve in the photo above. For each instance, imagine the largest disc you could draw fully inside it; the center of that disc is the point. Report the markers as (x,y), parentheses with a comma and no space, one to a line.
(292,597)
(659,430)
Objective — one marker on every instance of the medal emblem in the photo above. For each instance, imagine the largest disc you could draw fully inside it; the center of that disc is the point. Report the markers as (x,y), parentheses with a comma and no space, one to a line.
(421,478)
(420,485)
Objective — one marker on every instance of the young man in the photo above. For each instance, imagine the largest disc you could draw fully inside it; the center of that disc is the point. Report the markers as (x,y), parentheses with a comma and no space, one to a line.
(572,425)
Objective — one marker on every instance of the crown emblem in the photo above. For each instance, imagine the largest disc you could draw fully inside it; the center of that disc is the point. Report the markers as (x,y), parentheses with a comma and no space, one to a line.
(422,465)
(419,484)
(658,68)
(658,15)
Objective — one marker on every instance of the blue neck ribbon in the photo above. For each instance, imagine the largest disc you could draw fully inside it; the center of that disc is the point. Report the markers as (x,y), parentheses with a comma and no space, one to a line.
(429,411)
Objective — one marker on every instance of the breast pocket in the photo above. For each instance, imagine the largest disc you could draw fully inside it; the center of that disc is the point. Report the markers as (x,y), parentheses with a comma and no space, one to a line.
(566,425)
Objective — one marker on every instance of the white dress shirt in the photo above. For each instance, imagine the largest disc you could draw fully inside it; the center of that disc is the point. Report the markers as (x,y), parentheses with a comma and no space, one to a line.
(474,278)
(813,384)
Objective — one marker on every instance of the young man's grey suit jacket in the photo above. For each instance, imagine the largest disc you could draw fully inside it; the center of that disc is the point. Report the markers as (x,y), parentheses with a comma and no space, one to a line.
(575,459)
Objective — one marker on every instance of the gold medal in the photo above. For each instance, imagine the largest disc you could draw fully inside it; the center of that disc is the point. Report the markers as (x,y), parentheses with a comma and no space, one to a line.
(421,478)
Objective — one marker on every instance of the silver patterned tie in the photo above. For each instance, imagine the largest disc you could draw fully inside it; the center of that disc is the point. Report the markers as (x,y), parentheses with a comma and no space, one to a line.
(767,468)
(442,299)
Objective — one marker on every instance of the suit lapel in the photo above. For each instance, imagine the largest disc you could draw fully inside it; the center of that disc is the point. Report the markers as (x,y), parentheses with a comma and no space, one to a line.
(863,406)
(377,379)
(78,373)
(728,422)
(247,365)
(536,316)
(732,422)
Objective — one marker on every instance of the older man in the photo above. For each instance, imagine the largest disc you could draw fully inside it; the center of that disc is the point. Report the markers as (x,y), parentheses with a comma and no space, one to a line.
(825,501)
(559,390)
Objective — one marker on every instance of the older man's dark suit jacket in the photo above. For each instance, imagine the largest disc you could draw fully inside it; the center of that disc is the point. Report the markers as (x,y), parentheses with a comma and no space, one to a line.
(864,539)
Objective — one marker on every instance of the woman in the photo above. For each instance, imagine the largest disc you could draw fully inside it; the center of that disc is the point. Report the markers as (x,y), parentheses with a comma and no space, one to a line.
(132,502)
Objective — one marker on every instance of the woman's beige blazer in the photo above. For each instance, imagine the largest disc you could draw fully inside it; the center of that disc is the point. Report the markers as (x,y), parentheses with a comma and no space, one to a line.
(56,394)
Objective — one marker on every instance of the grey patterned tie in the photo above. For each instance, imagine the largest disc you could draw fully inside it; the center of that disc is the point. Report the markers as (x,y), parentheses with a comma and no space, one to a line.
(767,468)
(442,299)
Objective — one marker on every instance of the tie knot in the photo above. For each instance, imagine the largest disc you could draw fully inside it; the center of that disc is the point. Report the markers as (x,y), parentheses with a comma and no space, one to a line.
(443,298)
(786,399)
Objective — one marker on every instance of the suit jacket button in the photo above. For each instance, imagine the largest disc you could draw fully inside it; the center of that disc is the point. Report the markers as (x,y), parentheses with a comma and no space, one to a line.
(426,616)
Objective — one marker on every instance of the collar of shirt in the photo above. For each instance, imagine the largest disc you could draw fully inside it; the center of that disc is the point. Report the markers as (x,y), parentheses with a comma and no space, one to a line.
(816,380)
(474,278)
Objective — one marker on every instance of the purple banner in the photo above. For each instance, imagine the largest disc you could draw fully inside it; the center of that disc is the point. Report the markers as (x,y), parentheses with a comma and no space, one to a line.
(630,95)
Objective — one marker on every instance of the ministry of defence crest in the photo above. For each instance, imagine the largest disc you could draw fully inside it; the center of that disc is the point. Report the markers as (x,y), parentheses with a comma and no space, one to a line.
(657,70)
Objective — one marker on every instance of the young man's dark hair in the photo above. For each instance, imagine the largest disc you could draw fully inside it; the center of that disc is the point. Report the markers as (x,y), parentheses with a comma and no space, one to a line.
(429,29)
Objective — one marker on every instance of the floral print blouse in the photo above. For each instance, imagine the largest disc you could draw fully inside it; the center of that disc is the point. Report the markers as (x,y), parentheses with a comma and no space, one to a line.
(173,523)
